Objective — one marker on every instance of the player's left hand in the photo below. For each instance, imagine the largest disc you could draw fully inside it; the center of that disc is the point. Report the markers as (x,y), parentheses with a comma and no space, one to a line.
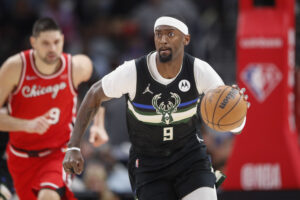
(73,162)
(242,92)
(98,136)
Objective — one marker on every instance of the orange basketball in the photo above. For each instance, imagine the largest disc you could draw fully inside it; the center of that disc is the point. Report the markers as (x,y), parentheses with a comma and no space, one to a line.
(223,109)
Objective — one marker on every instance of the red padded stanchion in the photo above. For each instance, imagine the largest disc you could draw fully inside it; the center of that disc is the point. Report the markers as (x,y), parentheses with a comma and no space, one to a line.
(266,155)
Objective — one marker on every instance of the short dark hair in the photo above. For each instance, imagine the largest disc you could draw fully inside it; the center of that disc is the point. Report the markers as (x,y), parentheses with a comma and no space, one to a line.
(44,24)
(176,16)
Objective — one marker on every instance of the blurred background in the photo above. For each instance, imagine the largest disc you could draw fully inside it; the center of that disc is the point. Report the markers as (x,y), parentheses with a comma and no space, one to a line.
(113,31)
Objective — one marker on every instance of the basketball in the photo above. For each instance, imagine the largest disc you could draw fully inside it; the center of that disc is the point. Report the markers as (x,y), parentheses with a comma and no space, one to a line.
(223,109)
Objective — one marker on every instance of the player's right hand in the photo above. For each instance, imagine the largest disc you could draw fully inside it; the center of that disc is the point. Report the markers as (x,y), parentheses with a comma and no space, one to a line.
(242,92)
(37,125)
(98,136)
(73,162)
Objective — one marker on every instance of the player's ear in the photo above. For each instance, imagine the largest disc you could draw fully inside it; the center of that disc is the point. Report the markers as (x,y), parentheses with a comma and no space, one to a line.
(32,41)
(187,39)
(63,37)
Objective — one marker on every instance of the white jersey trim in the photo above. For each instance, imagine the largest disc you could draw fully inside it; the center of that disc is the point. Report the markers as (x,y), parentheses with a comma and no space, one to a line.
(22,77)
(22,155)
(9,104)
(67,178)
(47,76)
(177,116)
(71,85)
(49,184)
(152,68)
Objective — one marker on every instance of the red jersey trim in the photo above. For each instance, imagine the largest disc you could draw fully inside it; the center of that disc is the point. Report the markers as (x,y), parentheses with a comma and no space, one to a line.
(46,76)
(71,84)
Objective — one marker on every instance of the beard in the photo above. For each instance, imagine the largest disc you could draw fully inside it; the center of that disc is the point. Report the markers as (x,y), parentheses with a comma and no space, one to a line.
(165,58)
(50,61)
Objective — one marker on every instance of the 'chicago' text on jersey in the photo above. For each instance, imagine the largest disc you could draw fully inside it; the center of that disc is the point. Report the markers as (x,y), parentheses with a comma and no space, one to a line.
(37,90)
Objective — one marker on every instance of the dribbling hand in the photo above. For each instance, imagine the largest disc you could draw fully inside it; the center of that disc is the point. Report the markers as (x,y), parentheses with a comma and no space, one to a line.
(73,162)
(242,92)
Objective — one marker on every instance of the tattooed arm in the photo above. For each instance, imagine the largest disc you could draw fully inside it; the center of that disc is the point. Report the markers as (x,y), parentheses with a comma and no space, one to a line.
(73,161)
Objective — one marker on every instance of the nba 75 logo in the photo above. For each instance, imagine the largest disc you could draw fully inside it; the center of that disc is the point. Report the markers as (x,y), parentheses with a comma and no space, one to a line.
(261,79)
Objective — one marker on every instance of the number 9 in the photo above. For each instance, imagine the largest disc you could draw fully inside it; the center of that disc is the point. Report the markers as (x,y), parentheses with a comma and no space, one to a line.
(54,114)
(168,133)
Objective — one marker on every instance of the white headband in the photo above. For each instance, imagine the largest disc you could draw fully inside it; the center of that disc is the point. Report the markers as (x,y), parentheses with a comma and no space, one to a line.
(170,21)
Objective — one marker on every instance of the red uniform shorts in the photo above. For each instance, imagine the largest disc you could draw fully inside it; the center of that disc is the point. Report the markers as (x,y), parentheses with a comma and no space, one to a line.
(31,174)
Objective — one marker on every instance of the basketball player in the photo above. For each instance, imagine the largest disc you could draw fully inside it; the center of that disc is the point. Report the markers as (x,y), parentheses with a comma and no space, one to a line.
(168,159)
(6,184)
(40,86)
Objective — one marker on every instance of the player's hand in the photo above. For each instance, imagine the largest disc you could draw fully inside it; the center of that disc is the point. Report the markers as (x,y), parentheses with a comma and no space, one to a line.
(242,92)
(98,136)
(73,162)
(37,125)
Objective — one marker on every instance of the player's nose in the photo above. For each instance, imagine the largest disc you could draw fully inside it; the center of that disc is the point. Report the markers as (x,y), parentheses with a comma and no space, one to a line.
(164,39)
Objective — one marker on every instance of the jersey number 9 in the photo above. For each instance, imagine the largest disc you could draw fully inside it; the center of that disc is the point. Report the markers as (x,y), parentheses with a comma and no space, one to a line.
(54,114)
(168,133)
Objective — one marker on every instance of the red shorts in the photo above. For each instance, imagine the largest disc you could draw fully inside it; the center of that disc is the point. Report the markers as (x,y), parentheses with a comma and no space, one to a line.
(31,174)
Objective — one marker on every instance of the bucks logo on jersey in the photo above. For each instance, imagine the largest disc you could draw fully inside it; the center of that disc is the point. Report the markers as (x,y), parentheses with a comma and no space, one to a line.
(166,110)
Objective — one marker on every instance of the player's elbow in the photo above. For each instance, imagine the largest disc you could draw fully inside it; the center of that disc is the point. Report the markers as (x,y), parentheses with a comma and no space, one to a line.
(96,94)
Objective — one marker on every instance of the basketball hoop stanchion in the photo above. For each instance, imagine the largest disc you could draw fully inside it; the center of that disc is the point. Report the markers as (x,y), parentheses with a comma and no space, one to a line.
(266,155)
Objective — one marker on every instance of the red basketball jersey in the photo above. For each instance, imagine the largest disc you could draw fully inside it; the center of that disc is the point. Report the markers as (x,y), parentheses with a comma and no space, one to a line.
(38,94)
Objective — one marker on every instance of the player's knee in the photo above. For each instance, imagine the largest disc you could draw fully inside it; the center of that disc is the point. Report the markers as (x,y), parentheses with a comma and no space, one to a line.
(48,194)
